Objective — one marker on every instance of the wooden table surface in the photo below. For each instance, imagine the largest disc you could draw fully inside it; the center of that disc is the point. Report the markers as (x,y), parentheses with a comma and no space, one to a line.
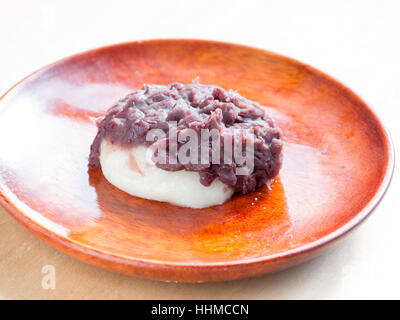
(355,41)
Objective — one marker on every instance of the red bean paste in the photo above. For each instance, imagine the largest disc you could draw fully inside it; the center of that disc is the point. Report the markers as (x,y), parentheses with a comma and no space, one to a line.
(197,107)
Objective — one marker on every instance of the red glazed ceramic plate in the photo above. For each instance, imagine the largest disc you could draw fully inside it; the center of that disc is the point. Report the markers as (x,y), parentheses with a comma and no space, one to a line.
(338,160)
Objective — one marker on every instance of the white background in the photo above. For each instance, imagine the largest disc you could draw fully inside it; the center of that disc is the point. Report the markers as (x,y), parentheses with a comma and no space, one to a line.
(357,42)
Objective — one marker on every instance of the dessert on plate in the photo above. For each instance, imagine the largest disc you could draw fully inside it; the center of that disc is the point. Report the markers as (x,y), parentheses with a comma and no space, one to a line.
(191,145)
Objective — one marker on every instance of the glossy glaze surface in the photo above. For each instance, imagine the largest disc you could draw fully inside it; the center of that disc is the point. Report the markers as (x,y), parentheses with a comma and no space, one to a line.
(337,164)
